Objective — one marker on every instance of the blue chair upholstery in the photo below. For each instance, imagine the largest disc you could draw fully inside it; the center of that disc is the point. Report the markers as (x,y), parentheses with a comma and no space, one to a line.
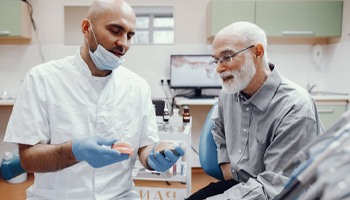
(208,150)
(11,168)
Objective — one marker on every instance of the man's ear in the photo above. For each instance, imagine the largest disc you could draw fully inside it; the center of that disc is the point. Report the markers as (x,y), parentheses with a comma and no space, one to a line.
(259,51)
(85,24)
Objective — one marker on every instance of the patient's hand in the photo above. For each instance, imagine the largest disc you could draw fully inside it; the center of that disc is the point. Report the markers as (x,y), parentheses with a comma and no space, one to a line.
(226,171)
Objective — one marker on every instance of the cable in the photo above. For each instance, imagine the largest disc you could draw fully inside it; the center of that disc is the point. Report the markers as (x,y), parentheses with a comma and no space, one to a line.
(30,10)
(40,47)
(195,150)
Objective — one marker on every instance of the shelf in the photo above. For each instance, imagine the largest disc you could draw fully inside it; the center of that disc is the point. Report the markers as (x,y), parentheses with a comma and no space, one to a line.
(181,171)
(7,102)
(144,174)
(186,101)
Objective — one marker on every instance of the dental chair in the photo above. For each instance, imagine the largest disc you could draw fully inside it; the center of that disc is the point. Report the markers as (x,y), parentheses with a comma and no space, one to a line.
(208,157)
(11,167)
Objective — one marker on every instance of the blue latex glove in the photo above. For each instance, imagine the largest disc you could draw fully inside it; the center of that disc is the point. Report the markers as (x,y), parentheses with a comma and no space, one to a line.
(97,151)
(161,162)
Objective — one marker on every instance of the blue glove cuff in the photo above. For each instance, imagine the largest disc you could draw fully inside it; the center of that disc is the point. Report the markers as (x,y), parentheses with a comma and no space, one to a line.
(76,151)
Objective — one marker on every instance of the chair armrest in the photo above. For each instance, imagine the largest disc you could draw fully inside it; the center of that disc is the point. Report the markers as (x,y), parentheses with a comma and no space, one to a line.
(11,168)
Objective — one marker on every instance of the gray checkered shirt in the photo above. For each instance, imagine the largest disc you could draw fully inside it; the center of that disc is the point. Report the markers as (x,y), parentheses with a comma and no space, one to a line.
(259,135)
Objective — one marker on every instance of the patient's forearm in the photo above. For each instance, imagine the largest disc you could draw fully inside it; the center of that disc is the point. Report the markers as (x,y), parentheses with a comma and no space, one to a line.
(226,171)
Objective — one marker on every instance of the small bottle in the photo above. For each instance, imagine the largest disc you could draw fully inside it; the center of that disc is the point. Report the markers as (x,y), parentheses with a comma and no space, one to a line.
(186,117)
(174,169)
(175,121)
(182,166)
(166,113)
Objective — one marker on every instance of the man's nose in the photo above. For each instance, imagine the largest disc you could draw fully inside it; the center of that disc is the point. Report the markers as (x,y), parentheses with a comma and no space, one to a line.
(220,67)
(122,42)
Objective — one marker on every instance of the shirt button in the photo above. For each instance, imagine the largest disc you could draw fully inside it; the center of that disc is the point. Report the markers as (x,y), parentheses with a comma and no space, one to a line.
(239,151)
(247,109)
(244,130)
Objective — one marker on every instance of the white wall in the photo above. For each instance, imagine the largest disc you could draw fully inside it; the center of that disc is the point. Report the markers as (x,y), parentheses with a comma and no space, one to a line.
(152,62)
(338,58)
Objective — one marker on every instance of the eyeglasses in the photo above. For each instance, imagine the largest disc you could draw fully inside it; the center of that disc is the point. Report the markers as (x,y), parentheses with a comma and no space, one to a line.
(227,58)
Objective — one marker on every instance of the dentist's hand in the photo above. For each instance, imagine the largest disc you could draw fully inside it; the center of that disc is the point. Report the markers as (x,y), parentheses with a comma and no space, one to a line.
(97,151)
(163,161)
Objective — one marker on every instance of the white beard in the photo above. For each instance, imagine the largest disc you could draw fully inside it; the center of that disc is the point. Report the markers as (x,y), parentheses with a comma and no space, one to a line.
(241,78)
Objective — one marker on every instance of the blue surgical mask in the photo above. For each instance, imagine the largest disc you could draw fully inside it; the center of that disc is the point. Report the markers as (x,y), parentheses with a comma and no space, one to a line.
(103,59)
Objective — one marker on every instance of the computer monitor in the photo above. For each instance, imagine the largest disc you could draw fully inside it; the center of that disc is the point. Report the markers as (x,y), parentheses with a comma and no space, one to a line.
(193,72)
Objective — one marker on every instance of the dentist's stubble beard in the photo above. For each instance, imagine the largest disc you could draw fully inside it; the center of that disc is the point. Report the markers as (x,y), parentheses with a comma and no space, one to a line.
(241,78)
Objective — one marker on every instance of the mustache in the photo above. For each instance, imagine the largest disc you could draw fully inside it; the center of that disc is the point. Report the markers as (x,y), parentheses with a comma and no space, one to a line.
(119,50)
(226,74)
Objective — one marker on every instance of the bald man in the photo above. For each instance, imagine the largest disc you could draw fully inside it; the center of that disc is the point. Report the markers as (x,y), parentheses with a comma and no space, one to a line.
(71,111)
(262,119)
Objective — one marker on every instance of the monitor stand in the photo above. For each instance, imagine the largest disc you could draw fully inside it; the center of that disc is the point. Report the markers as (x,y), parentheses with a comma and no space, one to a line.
(198,95)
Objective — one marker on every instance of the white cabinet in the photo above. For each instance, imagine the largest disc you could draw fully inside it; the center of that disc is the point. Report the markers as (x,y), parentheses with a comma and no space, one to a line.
(300,18)
(223,13)
(307,20)
(180,172)
(14,20)
(331,111)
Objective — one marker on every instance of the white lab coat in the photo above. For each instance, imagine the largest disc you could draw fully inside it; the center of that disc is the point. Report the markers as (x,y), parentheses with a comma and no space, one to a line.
(60,101)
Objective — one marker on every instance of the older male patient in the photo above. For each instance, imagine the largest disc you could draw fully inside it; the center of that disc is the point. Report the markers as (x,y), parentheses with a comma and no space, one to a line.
(262,119)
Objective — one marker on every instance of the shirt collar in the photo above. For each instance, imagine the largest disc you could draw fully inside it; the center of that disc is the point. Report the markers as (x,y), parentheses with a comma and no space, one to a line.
(262,98)
(82,66)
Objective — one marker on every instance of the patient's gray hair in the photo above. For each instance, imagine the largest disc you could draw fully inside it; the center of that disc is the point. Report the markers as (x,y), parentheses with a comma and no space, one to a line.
(249,34)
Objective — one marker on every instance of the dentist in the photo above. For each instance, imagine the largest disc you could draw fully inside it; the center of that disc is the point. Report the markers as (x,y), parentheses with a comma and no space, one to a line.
(70,112)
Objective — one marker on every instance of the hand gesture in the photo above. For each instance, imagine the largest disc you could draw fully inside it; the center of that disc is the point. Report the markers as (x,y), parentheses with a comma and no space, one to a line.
(161,161)
(97,151)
